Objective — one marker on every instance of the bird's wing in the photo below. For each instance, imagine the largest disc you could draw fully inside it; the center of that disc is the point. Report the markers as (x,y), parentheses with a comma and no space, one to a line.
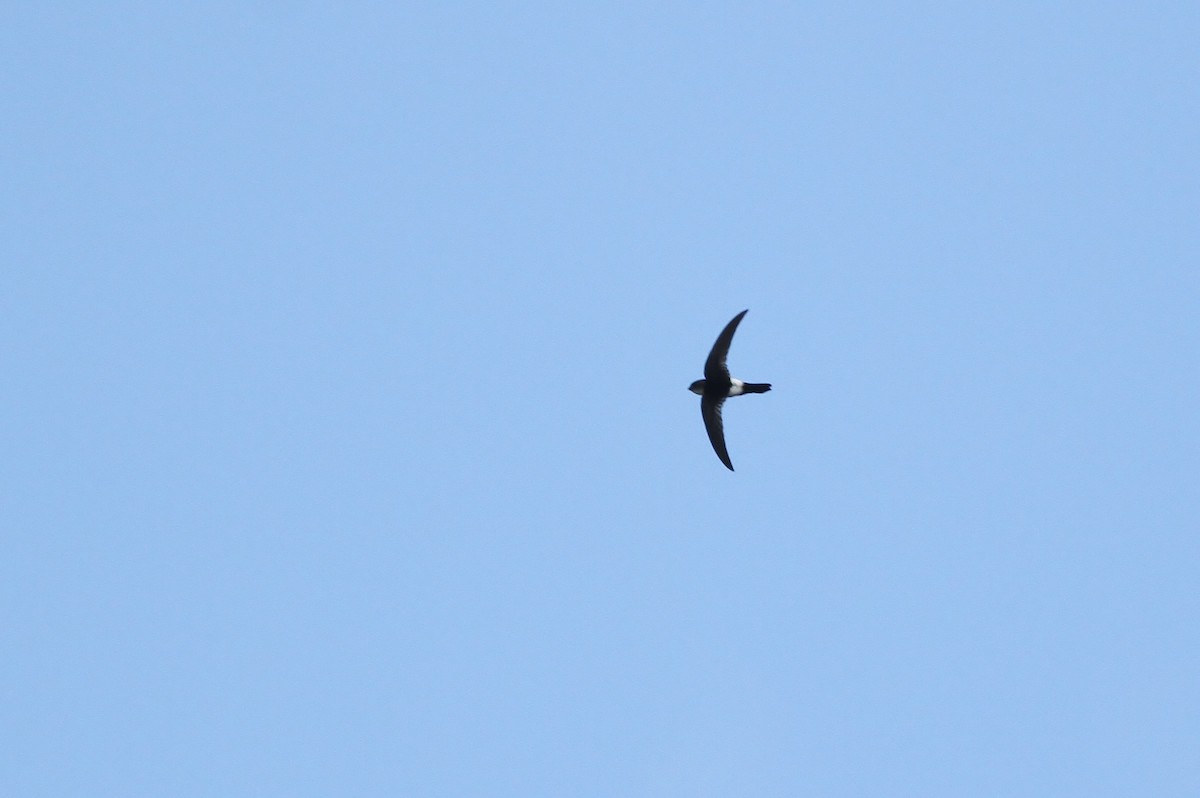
(714,367)
(711,410)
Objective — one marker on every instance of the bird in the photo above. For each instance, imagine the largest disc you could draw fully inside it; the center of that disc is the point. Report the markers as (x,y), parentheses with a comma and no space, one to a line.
(717,386)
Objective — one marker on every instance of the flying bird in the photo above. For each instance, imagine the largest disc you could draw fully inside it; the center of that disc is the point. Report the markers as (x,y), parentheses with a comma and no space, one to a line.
(717,386)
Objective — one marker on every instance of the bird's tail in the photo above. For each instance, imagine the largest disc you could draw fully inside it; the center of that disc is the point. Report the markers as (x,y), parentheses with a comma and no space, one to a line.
(756,387)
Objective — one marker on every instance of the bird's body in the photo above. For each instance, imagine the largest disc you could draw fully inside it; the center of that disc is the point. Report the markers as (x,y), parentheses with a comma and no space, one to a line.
(718,385)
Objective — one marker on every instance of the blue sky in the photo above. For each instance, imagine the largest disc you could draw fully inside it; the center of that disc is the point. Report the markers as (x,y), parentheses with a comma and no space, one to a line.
(348,442)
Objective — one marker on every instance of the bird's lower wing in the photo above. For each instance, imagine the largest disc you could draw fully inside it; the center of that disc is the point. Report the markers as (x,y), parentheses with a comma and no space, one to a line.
(711,411)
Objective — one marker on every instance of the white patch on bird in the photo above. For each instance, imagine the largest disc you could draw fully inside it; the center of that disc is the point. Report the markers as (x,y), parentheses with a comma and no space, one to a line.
(735,386)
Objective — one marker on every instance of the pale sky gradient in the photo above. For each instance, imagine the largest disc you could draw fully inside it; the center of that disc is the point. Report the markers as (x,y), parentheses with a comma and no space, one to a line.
(348,446)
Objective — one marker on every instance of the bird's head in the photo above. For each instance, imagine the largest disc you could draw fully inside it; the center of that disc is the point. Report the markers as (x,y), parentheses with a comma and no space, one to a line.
(697,387)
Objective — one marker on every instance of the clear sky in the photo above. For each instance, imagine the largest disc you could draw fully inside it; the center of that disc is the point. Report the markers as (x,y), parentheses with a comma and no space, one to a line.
(347,441)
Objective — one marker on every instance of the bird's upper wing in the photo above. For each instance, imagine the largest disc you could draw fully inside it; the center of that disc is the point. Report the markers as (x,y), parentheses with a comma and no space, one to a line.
(714,367)
(711,410)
